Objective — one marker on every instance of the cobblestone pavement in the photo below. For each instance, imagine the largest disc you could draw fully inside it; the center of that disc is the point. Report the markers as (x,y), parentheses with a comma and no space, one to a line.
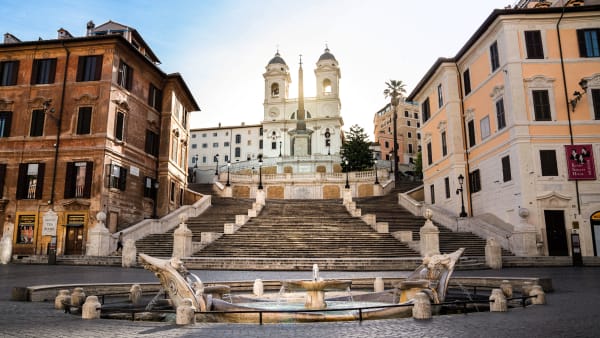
(572,310)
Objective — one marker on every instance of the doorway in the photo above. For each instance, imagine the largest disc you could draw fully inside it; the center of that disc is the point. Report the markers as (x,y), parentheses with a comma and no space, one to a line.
(74,241)
(595,221)
(556,233)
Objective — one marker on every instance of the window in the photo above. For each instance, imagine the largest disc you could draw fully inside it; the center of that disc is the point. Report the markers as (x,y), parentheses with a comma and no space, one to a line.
(5,119)
(155,99)
(474,181)
(37,123)
(181,196)
(432,193)
(467,81)
(118,177)
(43,71)
(410,148)
(120,126)
(484,126)
(204,145)
(506,175)
(260,132)
(203,159)
(595,103)
(238,152)
(31,181)
(494,58)
(153,143)
(471,129)
(2,178)
(406,113)
(249,142)
(194,146)
(193,135)
(387,144)
(440,96)
(418,136)
(226,144)
(84,120)
(226,159)
(548,163)
(429,155)
(425,110)
(238,139)
(172,192)
(89,68)
(273,145)
(444,144)
(533,44)
(417,116)
(409,135)
(25,229)
(500,116)
(174,148)
(541,105)
(125,76)
(215,144)
(214,134)
(204,135)
(78,179)
(589,42)
(408,123)
(9,71)
(149,189)
(447,186)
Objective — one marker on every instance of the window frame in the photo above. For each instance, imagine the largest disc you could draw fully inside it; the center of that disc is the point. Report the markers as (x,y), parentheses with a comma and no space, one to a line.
(447,186)
(71,176)
(26,190)
(117,182)
(494,56)
(440,92)
(444,143)
(471,133)
(506,170)
(425,110)
(484,127)
(43,71)
(548,163)
(432,193)
(500,114)
(540,115)
(475,181)
(89,68)
(84,120)
(38,119)
(9,73)
(467,81)
(584,46)
(5,122)
(534,46)
(120,126)
(429,154)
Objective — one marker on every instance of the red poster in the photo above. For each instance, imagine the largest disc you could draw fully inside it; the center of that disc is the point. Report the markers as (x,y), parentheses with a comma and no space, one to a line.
(580,162)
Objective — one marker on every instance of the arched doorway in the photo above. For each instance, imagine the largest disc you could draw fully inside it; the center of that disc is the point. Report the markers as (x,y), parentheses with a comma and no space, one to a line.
(595,222)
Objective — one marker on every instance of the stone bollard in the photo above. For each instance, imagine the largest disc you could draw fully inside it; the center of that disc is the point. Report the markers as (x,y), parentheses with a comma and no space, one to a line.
(506,288)
(185,313)
(91,308)
(430,236)
(135,294)
(258,288)
(129,257)
(378,285)
(493,254)
(498,301)
(526,288)
(540,295)
(77,298)
(63,299)
(5,249)
(422,306)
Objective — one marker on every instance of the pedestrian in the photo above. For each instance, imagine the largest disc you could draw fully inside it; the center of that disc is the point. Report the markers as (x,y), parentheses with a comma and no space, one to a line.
(120,242)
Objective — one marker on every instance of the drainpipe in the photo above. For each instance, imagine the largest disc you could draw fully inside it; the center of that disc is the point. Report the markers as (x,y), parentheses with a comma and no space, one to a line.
(464,137)
(564,78)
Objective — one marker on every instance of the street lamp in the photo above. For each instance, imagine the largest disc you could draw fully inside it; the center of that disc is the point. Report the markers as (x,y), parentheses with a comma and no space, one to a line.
(347,183)
(228,170)
(196,161)
(461,179)
(260,163)
(217,167)
(376,177)
(279,148)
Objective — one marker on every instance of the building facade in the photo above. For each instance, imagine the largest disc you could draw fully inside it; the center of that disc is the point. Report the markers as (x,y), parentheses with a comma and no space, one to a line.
(516,113)
(87,124)
(407,131)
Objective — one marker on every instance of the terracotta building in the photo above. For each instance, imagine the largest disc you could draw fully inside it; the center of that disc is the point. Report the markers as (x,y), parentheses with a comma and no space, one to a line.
(88,124)
(516,114)
(407,131)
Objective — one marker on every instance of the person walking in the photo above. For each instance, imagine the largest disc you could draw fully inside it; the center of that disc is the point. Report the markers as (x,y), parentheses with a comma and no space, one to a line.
(120,242)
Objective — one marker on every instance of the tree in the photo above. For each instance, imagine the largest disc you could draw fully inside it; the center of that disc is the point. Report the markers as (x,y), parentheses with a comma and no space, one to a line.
(356,150)
(395,90)
(419,165)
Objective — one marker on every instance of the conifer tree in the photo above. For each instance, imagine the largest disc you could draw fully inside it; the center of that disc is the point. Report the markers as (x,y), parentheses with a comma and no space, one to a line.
(356,150)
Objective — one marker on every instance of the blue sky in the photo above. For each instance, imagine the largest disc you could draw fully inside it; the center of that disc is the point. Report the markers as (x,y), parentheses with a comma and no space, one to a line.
(221,48)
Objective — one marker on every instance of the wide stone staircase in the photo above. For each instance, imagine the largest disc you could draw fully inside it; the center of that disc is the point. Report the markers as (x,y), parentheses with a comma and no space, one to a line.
(387,209)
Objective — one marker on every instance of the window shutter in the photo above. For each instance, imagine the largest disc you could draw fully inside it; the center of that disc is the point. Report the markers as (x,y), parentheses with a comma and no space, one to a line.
(122,179)
(89,171)
(40,181)
(52,74)
(7,119)
(581,42)
(2,175)
(129,78)
(22,182)
(34,71)
(80,68)
(15,73)
(98,69)
(70,180)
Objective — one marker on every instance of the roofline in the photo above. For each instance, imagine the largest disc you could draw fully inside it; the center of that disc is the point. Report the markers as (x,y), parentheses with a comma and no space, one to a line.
(484,27)
(227,127)
(179,78)
(137,35)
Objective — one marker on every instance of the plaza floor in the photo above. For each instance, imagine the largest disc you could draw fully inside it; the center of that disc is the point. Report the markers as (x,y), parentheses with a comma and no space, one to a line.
(573,309)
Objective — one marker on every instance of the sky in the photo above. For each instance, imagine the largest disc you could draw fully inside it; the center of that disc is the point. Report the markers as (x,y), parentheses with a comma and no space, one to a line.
(221,47)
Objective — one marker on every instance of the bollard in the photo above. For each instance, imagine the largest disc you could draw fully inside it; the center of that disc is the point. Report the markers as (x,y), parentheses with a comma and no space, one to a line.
(77,298)
(506,288)
(91,308)
(258,288)
(185,313)
(540,295)
(378,285)
(526,288)
(135,294)
(62,300)
(498,301)
(422,306)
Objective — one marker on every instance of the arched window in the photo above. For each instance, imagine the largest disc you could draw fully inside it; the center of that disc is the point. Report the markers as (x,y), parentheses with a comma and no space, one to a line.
(326,87)
(275,90)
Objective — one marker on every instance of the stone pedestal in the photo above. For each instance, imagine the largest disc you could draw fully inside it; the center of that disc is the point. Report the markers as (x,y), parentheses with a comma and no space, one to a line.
(91,308)
(62,300)
(498,301)
(346,196)
(135,294)
(315,300)
(129,258)
(378,286)
(5,249)
(77,299)
(182,241)
(540,295)
(506,288)
(523,240)
(258,288)
(430,236)
(422,306)
(185,313)
(493,254)
(260,196)
(98,238)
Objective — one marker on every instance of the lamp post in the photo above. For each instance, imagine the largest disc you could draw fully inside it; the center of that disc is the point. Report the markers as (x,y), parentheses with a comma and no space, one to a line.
(279,148)
(461,179)
(347,183)
(376,177)
(228,170)
(260,163)
(217,167)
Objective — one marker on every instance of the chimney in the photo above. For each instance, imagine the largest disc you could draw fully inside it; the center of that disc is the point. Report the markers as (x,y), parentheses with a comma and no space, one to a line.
(90,28)
(9,38)
(64,34)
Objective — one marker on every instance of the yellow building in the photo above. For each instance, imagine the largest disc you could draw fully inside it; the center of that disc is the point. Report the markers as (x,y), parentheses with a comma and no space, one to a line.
(517,114)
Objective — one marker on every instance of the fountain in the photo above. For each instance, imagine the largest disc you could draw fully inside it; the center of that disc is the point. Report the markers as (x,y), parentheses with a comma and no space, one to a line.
(431,278)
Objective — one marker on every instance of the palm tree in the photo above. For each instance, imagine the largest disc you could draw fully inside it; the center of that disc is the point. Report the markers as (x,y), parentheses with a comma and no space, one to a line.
(395,90)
